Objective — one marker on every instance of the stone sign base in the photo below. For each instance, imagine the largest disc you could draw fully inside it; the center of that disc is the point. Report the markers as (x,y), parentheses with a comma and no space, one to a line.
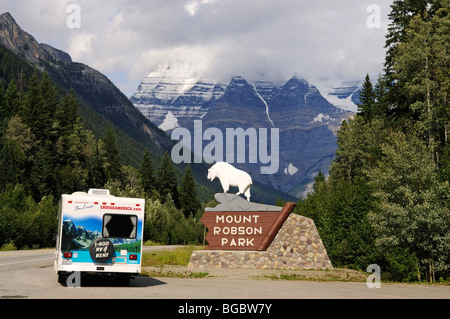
(296,246)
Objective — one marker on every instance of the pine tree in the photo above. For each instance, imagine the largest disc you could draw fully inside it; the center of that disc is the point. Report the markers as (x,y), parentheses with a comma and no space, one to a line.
(402,11)
(114,163)
(42,179)
(421,67)
(367,100)
(49,98)
(11,163)
(190,203)
(146,174)
(99,175)
(11,101)
(166,180)
(31,113)
(67,114)
(3,108)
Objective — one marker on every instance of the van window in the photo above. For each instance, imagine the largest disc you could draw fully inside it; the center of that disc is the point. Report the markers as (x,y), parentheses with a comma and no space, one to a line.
(119,226)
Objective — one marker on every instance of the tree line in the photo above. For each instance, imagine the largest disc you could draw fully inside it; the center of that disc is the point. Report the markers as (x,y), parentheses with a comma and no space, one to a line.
(45,151)
(386,198)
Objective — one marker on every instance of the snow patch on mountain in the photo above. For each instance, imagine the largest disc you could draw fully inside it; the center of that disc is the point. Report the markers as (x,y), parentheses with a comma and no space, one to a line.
(170,122)
(265,103)
(340,94)
(322,118)
(291,169)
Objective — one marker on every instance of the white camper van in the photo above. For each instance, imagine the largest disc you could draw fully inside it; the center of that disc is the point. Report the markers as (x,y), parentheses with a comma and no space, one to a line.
(99,233)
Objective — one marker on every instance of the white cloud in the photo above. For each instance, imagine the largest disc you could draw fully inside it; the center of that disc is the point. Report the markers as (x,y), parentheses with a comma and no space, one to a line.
(125,39)
(81,46)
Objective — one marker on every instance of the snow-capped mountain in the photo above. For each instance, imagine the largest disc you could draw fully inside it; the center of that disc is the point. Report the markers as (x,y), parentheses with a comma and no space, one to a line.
(344,95)
(171,96)
(172,93)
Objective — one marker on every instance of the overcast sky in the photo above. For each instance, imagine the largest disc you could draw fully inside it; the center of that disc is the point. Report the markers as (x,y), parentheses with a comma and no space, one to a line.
(258,39)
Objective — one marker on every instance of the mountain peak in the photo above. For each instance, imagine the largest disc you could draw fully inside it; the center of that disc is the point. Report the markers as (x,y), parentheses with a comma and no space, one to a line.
(18,41)
(6,16)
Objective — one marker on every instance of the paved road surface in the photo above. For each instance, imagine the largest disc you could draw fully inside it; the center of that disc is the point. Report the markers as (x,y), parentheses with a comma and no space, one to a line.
(30,274)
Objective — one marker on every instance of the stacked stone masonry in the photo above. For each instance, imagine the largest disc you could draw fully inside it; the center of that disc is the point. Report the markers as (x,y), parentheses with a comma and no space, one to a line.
(296,246)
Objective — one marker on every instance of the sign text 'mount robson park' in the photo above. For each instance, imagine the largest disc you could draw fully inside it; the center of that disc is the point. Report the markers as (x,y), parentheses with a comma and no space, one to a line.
(243,230)
(248,228)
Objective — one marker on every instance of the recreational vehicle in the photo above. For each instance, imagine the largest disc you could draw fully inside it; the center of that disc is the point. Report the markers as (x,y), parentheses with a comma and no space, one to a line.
(99,233)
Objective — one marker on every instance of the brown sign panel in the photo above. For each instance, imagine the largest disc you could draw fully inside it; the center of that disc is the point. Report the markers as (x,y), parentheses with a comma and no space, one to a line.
(247,230)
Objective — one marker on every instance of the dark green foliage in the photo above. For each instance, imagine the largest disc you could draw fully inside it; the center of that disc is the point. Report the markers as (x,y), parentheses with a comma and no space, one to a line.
(11,162)
(9,101)
(146,173)
(339,211)
(24,222)
(367,100)
(190,203)
(167,181)
(42,176)
(40,162)
(166,224)
(114,167)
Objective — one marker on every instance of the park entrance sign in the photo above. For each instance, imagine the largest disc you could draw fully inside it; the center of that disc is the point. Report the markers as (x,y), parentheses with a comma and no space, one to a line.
(243,234)
(237,224)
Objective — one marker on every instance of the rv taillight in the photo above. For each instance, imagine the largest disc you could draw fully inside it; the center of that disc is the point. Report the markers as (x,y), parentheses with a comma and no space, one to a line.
(68,255)
(133,257)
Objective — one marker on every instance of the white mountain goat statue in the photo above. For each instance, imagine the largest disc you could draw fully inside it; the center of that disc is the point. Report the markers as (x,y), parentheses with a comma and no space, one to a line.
(231,176)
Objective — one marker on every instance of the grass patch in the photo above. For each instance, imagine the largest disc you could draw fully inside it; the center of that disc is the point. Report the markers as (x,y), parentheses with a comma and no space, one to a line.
(177,257)
(9,246)
(159,263)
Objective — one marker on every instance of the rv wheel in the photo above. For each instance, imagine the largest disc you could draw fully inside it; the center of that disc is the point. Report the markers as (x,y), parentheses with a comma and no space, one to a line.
(101,249)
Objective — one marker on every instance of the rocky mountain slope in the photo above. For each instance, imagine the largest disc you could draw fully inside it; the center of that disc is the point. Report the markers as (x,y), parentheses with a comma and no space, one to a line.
(101,100)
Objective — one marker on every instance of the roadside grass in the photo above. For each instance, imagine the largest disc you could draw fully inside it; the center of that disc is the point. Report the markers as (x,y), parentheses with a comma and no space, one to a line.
(158,263)
(178,256)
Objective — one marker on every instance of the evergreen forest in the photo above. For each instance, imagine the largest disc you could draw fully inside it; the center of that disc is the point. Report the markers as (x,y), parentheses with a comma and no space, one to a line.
(46,151)
(385,200)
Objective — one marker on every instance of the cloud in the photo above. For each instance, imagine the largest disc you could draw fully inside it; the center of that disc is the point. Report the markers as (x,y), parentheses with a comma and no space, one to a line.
(126,39)
(81,46)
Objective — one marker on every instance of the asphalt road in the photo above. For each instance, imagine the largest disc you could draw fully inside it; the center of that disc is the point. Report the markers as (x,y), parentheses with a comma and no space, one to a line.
(30,275)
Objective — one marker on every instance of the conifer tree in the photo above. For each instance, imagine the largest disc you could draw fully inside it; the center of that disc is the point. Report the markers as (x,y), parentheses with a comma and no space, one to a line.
(190,203)
(114,163)
(146,173)
(402,11)
(11,162)
(31,112)
(67,114)
(99,174)
(166,180)
(42,177)
(11,101)
(3,108)
(367,100)
(49,98)
(421,69)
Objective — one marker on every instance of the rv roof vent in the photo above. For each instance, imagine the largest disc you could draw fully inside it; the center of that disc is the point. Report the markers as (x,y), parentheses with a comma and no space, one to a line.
(101,192)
